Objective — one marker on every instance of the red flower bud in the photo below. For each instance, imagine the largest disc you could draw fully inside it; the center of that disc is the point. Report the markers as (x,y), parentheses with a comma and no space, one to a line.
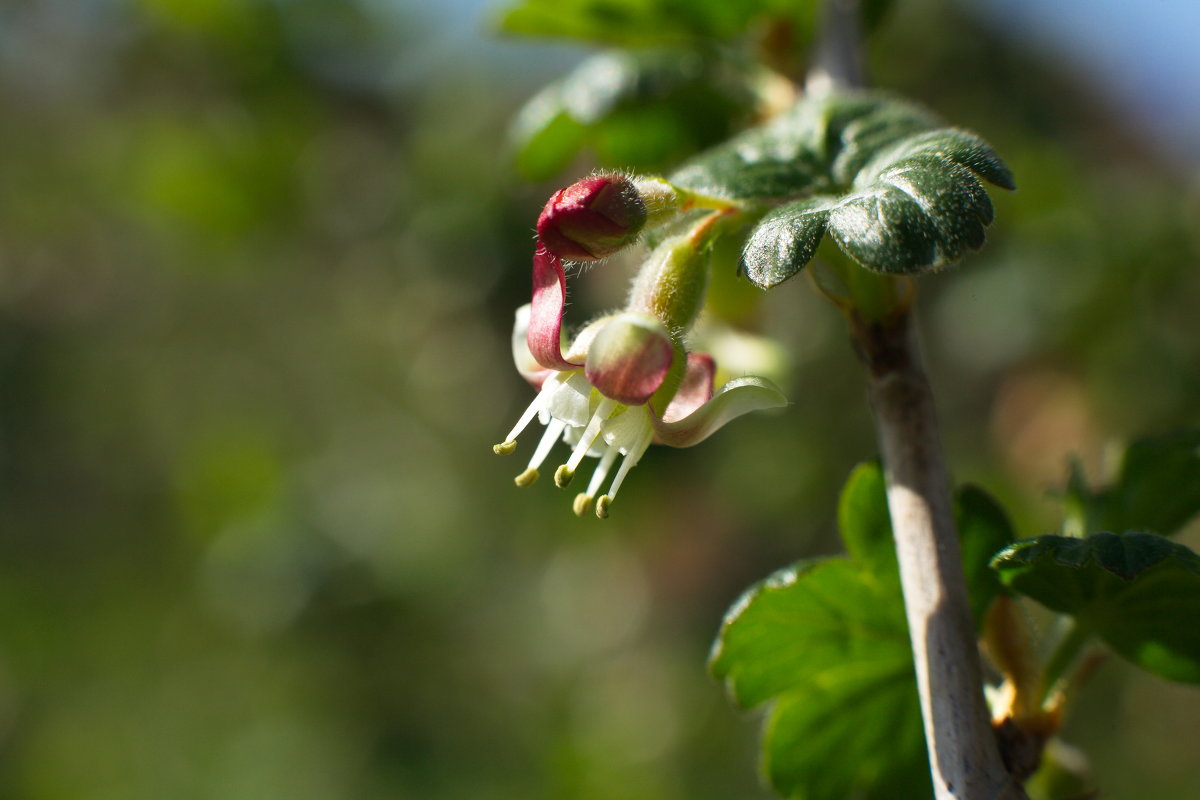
(592,218)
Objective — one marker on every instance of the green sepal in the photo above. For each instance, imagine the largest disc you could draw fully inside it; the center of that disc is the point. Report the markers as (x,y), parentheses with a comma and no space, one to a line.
(1139,592)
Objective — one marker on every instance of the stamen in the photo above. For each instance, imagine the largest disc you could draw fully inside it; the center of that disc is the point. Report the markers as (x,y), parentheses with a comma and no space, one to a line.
(602,506)
(603,410)
(553,430)
(631,460)
(563,476)
(582,503)
(526,478)
(606,462)
(526,417)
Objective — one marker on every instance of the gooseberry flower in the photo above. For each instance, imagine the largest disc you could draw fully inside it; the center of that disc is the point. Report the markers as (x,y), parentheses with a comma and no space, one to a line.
(623,384)
(597,216)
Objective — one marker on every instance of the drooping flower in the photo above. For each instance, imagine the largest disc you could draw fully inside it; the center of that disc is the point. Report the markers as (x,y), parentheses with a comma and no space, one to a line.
(623,384)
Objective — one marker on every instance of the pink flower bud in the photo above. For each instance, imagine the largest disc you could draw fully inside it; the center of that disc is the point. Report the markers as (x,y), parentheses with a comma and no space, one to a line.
(629,358)
(592,218)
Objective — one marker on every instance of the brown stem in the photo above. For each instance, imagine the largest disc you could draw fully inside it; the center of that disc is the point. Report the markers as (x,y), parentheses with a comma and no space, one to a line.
(963,755)
(836,59)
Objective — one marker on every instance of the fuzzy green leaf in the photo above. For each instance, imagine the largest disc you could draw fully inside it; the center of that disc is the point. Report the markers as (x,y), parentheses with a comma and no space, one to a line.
(1139,592)
(784,241)
(896,192)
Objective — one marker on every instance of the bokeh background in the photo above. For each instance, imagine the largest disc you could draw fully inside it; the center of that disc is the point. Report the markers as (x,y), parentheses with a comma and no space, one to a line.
(258,262)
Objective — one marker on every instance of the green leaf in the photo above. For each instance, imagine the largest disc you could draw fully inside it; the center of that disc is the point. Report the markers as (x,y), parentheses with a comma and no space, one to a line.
(829,643)
(866,529)
(949,144)
(548,145)
(1157,489)
(1159,485)
(784,241)
(1139,592)
(640,23)
(638,111)
(895,192)
(864,521)
(983,530)
(826,642)
(767,163)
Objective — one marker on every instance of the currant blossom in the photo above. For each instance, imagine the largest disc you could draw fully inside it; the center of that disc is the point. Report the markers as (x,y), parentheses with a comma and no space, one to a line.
(624,383)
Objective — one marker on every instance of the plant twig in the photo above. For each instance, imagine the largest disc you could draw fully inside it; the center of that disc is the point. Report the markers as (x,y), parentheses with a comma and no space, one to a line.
(836,60)
(964,758)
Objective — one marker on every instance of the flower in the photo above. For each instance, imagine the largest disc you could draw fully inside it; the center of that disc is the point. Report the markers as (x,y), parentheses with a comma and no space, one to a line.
(622,385)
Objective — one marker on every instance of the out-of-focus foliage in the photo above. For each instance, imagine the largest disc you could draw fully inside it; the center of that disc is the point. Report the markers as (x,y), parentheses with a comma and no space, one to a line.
(258,262)
(635,23)
(1140,592)
(636,110)
(1157,489)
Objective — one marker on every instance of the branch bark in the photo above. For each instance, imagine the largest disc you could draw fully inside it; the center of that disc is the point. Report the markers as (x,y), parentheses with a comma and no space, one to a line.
(964,757)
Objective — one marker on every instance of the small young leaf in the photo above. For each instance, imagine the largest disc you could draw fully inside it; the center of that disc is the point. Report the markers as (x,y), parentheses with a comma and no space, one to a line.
(1139,592)
(769,163)
(861,138)
(950,144)
(886,230)
(784,241)
(894,191)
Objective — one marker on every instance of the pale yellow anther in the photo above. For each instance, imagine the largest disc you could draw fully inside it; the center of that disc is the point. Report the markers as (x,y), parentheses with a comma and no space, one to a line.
(563,476)
(582,503)
(602,505)
(526,478)
(505,448)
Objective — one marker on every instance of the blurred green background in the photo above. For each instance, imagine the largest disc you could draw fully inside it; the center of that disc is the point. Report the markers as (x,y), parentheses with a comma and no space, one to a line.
(258,262)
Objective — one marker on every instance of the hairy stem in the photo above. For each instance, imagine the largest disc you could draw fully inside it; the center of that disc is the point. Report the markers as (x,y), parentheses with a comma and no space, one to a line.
(964,757)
